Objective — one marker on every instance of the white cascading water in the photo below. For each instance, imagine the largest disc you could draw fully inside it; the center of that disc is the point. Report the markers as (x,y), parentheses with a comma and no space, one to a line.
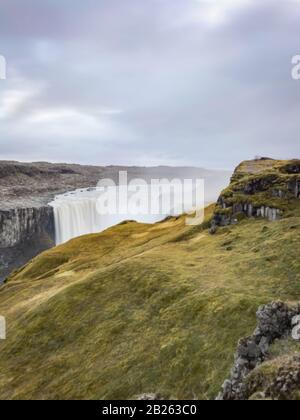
(76,214)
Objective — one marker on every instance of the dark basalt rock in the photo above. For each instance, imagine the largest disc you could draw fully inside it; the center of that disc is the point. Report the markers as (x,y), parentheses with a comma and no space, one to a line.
(294,187)
(293,167)
(258,185)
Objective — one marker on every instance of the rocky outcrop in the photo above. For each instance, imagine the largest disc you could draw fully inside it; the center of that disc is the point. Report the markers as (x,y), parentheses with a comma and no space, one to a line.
(228,215)
(262,188)
(274,322)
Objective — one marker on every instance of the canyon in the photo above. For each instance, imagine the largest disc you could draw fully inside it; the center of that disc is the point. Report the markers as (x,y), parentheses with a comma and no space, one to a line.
(27,223)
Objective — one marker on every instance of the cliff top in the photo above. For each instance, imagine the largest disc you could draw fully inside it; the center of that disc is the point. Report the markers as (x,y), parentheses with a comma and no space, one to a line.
(261,165)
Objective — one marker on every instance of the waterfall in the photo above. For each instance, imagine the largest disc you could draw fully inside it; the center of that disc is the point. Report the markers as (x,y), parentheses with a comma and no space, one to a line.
(75,217)
(76,213)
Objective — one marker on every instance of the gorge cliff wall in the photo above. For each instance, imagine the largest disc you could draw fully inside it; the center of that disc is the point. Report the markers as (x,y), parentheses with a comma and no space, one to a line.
(24,233)
(25,224)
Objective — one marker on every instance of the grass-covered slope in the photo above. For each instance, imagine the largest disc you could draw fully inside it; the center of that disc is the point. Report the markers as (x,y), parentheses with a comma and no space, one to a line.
(143,308)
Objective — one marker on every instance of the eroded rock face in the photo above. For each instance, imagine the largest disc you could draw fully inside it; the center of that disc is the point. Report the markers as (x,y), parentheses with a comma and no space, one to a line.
(293,167)
(24,233)
(247,209)
(274,322)
(294,187)
(20,225)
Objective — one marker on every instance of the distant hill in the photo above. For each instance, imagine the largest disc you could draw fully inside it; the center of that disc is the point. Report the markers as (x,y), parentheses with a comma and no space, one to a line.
(26,185)
(154,308)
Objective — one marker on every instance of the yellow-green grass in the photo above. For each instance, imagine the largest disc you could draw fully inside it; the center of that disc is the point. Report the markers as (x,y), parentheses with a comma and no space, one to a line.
(142,308)
(264,165)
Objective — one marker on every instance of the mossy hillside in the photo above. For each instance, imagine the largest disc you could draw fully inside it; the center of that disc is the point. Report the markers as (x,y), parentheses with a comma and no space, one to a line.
(188,234)
(143,308)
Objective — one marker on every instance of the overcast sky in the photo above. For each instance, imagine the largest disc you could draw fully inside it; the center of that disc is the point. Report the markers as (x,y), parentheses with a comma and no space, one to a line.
(147,82)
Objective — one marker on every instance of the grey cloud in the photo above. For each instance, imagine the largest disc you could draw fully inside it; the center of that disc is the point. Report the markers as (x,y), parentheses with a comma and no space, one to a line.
(189,92)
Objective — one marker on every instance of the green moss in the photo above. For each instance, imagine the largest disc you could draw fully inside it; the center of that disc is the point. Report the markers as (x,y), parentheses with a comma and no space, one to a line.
(223,212)
(262,383)
(283,347)
(240,216)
